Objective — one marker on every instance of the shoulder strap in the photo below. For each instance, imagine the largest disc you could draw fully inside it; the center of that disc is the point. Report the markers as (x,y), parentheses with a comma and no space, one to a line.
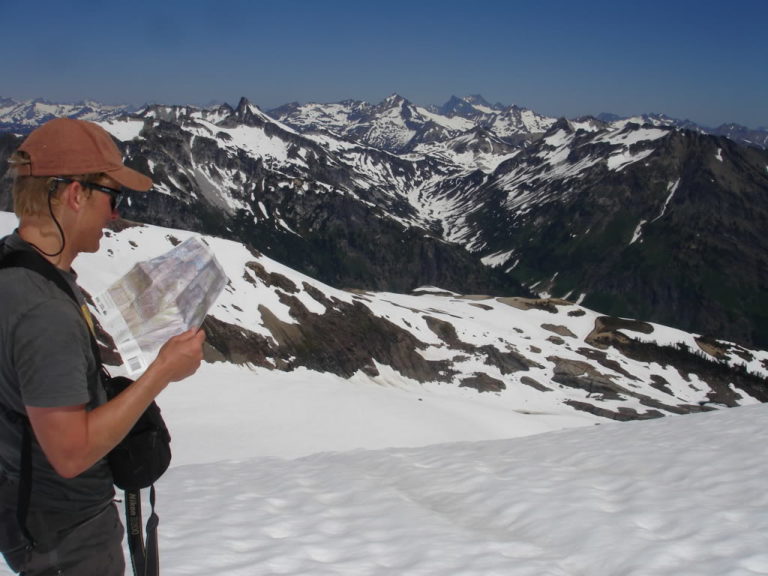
(25,484)
(35,262)
(23,490)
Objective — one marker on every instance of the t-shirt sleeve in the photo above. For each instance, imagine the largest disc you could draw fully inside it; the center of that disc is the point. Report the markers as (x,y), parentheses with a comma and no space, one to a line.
(51,349)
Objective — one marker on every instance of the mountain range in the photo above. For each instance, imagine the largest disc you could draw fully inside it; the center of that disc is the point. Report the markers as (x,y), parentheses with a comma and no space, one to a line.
(646,218)
(506,121)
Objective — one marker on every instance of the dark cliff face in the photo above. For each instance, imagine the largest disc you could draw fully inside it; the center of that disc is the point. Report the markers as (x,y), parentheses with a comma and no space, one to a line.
(677,238)
(704,263)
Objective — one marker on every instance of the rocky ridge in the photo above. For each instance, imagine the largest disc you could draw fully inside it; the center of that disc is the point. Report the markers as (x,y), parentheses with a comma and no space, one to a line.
(648,221)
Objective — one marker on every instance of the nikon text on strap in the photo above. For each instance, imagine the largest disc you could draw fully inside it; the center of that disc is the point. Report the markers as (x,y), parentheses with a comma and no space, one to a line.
(144,557)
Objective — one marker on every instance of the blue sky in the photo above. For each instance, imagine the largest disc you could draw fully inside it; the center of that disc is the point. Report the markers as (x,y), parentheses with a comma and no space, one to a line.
(703,60)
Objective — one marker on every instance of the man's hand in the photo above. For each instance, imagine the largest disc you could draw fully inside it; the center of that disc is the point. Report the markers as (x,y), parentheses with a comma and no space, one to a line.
(73,439)
(181,355)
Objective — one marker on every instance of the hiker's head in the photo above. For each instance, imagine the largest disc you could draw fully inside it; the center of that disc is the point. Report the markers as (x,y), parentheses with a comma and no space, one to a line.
(63,151)
(32,193)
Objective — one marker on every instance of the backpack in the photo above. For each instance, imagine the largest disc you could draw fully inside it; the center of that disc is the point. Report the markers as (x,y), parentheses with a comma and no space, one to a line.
(139,460)
(145,453)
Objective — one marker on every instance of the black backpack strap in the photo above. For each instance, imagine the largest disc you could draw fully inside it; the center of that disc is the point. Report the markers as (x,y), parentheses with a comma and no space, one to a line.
(35,262)
(24,489)
(25,483)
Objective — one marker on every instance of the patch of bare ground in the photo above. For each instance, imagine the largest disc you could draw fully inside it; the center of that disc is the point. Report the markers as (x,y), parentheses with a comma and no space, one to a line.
(528,381)
(713,348)
(602,359)
(483,383)
(622,414)
(606,331)
(559,330)
(546,304)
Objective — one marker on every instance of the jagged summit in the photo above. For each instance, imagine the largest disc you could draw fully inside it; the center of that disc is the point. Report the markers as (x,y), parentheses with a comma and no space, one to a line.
(456,107)
(249,114)
(478,100)
(394,100)
(468,106)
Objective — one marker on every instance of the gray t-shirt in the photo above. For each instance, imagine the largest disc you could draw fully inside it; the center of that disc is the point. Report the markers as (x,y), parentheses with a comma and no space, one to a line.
(46,360)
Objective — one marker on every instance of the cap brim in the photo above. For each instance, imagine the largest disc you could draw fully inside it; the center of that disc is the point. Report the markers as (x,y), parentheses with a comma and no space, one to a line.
(129,178)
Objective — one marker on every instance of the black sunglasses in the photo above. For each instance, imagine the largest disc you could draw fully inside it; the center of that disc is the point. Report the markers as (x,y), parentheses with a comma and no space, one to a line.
(115,196)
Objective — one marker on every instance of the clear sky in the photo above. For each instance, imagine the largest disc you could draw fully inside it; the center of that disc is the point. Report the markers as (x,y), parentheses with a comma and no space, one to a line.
(703,60)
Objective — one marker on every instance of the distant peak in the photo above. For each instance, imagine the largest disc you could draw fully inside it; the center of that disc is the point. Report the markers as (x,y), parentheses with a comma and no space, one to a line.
(458,107)
(245,107)
(561,124)
(393,99)
(243,103)
(477,99)
(249,114)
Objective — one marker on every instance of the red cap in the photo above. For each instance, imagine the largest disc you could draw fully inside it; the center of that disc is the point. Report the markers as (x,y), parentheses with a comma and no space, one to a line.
(67,147)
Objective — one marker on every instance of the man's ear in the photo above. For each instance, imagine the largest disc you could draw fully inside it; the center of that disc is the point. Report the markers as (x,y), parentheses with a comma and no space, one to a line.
(73,196)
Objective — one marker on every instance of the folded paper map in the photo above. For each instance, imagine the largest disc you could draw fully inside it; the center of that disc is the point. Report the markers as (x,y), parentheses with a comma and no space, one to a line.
(158,299)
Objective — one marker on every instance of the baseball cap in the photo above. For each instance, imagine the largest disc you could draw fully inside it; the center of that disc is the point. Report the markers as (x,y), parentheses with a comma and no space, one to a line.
(66,146)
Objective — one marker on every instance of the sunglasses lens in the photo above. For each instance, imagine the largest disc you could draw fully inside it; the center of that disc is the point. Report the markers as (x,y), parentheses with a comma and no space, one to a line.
(115,196)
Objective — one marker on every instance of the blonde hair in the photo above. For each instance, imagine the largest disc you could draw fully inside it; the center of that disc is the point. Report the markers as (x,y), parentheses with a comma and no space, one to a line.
(31,193)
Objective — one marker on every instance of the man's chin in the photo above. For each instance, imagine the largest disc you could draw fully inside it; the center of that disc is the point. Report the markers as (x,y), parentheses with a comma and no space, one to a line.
(93,247)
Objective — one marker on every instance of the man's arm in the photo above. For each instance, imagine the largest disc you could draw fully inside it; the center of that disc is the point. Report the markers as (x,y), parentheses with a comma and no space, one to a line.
(74,439)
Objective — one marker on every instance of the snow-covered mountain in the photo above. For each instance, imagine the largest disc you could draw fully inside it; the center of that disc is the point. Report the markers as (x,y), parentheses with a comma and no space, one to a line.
(748,136)
(645,222)
(393,124)
(539,356)
(23,116)
(396,125)
(504,121)
(650,221)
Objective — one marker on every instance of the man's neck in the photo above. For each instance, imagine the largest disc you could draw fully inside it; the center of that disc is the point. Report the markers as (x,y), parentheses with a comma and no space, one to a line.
(43,235)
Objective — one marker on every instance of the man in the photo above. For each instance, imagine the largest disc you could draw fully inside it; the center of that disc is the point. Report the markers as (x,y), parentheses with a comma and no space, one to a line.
(69,180)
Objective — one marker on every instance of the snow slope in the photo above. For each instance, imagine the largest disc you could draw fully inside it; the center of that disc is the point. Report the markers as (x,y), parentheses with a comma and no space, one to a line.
(683,495)
(677,496)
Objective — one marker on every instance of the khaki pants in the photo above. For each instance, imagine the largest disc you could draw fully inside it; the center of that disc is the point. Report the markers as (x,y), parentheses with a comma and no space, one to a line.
(92,548)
